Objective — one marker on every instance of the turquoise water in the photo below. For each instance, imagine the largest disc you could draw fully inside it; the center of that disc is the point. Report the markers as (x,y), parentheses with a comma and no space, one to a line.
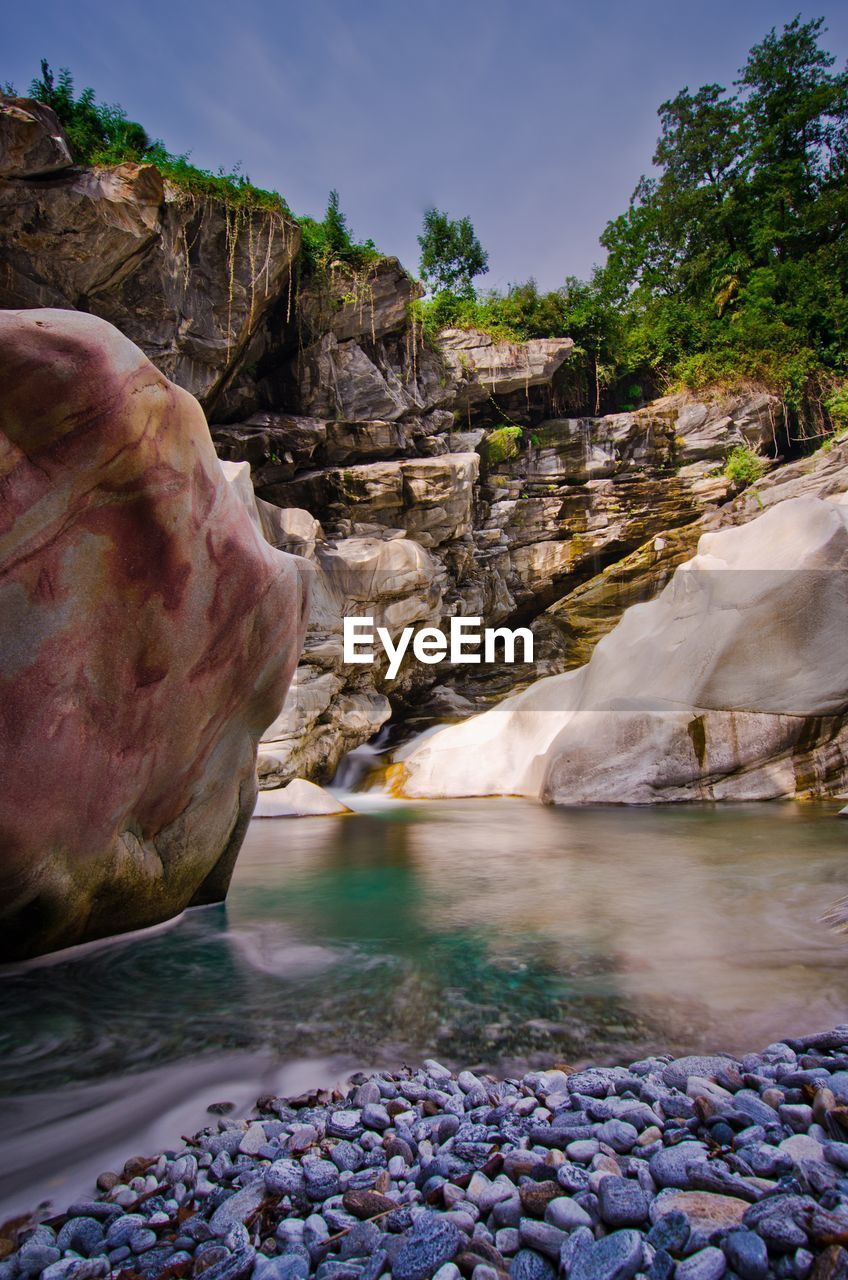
(497,933)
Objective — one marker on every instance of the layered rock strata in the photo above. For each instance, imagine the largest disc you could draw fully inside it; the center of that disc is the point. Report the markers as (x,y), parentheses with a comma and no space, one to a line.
(730,685)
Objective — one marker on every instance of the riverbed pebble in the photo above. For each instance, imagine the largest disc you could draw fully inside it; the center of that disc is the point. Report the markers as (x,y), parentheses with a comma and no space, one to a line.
(703,1167)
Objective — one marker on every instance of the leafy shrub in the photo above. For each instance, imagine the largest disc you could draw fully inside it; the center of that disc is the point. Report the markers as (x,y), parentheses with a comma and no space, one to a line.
(743,465)
(451,254)
(837,406)
(330,240)
(102,134)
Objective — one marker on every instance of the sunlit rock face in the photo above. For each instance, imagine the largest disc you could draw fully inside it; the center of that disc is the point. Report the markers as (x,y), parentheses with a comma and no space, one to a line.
(148,634)
(594,607)
(731,684)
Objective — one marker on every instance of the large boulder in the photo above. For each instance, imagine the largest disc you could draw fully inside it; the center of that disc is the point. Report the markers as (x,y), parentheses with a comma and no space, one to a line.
(731,684)
(365,302)
(148,634)
(485,366)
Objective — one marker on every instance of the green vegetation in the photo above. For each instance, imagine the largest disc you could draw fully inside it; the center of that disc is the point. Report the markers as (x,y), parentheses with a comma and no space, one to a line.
(503,444)
(729,267)
(837,407)
(329,242)
(451,254)
(580,310)
(743,465)
(731,264)
(101,134)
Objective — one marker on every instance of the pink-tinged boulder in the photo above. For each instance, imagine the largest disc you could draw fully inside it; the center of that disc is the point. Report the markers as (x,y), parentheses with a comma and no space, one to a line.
(148,634)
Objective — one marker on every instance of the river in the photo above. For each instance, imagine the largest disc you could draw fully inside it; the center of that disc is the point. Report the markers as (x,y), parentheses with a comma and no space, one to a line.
(493,933)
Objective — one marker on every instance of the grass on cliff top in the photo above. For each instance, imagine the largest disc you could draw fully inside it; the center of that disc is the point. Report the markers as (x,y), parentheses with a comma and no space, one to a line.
(102,134)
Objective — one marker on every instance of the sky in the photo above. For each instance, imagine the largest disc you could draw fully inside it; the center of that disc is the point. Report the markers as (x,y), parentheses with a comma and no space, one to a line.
(535,118)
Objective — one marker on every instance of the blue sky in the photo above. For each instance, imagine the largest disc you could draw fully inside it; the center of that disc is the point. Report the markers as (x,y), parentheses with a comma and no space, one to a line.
(534,117)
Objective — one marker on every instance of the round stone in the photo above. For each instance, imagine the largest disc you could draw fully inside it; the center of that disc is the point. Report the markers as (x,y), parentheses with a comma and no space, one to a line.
(746,1254)
(432,1241)
(565,1213)
(707,1213)
(529,1265)
(622,1202)
(707,1264)
(614,1257)
(82,1235)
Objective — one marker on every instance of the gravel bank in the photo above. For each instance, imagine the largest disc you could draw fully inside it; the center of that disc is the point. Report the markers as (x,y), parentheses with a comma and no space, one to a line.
(697,1168)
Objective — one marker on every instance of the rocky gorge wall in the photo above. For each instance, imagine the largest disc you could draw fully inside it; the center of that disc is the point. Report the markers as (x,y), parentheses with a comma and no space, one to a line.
(416,518)
(421,479)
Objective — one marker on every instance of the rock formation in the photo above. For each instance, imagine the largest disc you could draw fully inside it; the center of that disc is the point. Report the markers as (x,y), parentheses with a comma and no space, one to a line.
(416,517)
(420,478)
(189,279)
(148,635)
(32,143)
(731,684)
(590,610)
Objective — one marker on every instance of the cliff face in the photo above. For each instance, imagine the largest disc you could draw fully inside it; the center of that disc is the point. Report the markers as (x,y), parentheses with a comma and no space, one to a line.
(728,685)
(416,516)
(190,280)
(422,480)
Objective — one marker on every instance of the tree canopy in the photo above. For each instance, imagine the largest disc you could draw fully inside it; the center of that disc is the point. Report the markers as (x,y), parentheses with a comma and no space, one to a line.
(451,254)
(730,263)
(733,258)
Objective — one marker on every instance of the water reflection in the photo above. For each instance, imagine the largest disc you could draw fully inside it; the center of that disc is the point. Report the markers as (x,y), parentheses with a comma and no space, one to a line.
(497,933)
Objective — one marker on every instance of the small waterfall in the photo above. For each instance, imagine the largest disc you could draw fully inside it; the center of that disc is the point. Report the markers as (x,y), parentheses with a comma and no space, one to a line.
(355,766)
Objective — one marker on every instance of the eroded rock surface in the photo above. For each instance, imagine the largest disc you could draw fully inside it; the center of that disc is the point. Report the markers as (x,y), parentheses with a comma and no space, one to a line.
(507,536)
(189,279)
(148,633)
(32,142)
(731,684)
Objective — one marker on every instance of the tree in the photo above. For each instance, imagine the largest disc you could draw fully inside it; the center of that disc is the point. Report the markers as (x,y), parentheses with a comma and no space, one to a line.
(451,254)
(731,261)
(336,230)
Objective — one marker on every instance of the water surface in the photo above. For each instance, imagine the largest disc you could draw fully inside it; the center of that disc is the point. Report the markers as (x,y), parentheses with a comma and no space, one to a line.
(496,933)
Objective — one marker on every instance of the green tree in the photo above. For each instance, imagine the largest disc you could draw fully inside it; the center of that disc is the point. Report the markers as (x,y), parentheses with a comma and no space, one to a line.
(732,261)
(451,254)
(336,230)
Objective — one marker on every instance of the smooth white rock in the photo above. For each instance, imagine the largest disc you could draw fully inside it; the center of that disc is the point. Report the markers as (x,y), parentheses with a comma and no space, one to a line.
(300,799)
(701,693)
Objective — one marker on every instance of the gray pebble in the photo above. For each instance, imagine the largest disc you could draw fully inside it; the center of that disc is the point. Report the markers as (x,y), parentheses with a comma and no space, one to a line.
(529,1265)
(542,1236)
(706,1264)
(614,1257)
(431,1242)
(83,1235)
(622,1202)
(565,1213)
(746,1255)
